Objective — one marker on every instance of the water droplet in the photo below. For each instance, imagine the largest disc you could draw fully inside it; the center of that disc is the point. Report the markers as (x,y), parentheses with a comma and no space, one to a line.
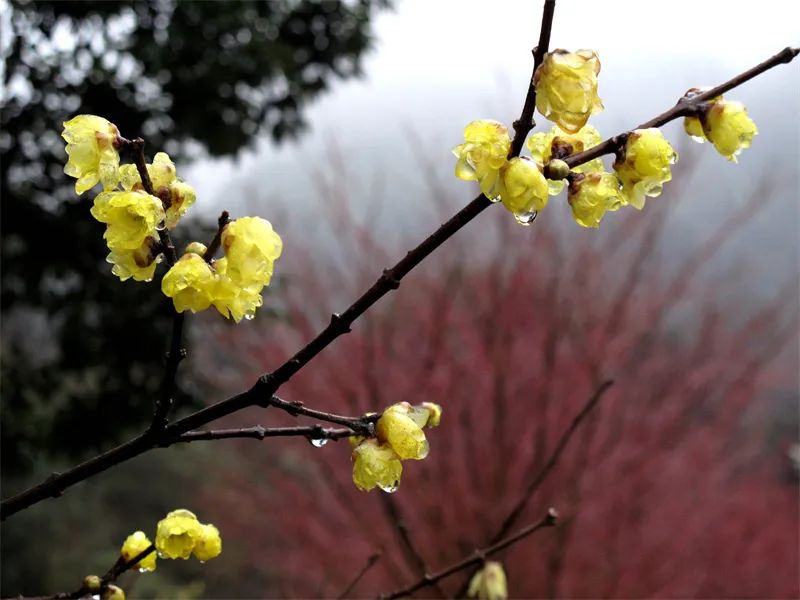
(141,570)
(202,562)
(249,317)
(525,218)
(95,596)
(390,489)
(319,442)
(161,226)
(698,139)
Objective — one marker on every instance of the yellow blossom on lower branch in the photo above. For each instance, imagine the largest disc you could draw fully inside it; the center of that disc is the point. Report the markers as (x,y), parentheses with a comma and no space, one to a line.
(231,300)
(489,583)
(131,217)
(376,465)
(643,166)
(191,283)
(524,189)
(92,150)
(483,153)
(591,195)
(135,544)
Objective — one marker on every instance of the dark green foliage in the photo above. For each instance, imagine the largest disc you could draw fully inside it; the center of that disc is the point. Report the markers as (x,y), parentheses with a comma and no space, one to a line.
(82,352)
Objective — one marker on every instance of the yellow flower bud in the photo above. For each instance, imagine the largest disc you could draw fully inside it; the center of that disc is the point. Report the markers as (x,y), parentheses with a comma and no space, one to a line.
(196,248)
(376,465)
(177,534)
(729,128)
(112,592)
(135,544)
(92,583)
(191,283)
(489,583)
(139,264)
(592,195)
(434,414)
(566,88)
(251,248)
(484,151)
(92,150)
(209,543)
(132,217)
(399,426)
(524,189)
(559,144)
(644,166)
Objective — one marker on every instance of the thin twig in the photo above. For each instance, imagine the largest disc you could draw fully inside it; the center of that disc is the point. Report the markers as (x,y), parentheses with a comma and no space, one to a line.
(370,563)
(478,557)
(537,480)
(314,432)
(269,383)
(224,219)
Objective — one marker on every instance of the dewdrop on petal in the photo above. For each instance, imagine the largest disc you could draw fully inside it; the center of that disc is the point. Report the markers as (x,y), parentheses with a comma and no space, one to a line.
(208,544)
(135,544)
(566,88)
(489,583)
(525,189)
(376,465)
(191,283)
(484,151)
(177,534)
(92,149)
(251,248)
(131,217)
(591,195)
(643,166)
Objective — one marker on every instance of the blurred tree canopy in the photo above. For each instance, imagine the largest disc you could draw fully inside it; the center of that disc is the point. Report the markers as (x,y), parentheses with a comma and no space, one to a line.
(82,352)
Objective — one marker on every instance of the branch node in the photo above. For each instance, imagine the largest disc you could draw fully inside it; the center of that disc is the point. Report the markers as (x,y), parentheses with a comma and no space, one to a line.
(338,324)
(390,280)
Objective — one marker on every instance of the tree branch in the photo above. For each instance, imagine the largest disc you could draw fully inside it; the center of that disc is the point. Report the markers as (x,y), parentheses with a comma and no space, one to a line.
(390,280)
(478,557)
(314,432)
(370,563)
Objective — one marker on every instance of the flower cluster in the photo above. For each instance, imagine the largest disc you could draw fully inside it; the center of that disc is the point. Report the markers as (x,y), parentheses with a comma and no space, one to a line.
(232,284)
(489,583)
(566,93)
(725,124)
(136,215)
(399,436)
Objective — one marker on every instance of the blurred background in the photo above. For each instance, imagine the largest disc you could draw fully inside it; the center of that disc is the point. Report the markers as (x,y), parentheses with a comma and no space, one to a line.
(334,120)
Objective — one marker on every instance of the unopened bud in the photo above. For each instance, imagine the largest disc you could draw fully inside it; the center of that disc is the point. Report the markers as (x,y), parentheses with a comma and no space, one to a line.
(557,169)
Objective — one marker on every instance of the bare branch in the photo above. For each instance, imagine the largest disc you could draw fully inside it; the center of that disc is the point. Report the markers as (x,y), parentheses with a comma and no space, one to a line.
(370,563)
(314,432)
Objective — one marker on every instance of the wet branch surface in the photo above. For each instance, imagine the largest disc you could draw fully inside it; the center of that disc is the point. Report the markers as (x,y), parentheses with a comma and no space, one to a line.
(478,557)
(262,392)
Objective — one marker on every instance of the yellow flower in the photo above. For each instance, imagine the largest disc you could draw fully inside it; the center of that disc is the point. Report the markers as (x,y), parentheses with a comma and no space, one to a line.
(209,544)
(92,150)
(434,414)
(176,195)
(139,264)
(113,592)
(566,88)
(559,144)
(251,247)
(484,151)
(592,195)
(524,189)
(191,283)
(727,125)
(376,464)
(135,544)
(177,534)
(233,301)
(489,583)
(400,426)
(131,217)
(644,166)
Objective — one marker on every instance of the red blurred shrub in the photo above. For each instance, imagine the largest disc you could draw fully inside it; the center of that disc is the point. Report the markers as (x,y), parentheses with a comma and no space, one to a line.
(674,488)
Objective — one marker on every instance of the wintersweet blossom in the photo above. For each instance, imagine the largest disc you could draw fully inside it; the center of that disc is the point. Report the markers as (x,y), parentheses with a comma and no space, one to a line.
(132,217)
(139,264)
(725,124)
(644,165)
(376,465)
(483,153)
(591,195)
(191,283)
(559,144)
(251,248)
(177,534)
(524,189)
(566,88)
(135,544)
(489,583)
(92,149)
